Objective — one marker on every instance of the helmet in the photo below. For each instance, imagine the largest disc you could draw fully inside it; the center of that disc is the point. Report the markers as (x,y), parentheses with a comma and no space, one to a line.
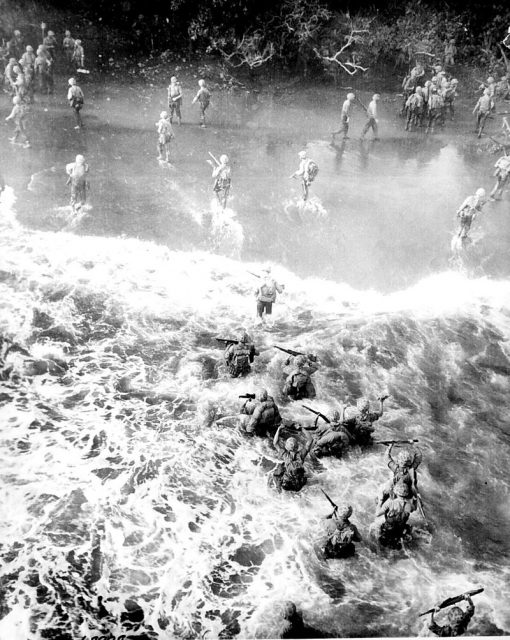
(344,512)
(12,60)
(362,404)
(163,114)
(480,193)
(244,337)
(350,96)
(336,416)
(417,90)
(490,79)
(224,159)
(454,81)
(433,89)
(302,154)
(300,361)
(262,395)
(376,96)
(51,33)
(71,81)
(434,79)
(438,68)
(77,41)
(17,33)
(173,79)
(455,615)
(16,100)
(401,489)
(201,83)
(291,444)
(405,458)
(29,48)
(67,33)
(80,159)
(486,92)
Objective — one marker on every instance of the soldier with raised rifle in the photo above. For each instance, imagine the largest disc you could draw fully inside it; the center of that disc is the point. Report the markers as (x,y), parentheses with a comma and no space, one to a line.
(331,438)
(263,414)
(360,421)
(458,619)
(222,178)
(266,294)
(299,384)
(311,365)
(290,473)
(239,354)
(341,534)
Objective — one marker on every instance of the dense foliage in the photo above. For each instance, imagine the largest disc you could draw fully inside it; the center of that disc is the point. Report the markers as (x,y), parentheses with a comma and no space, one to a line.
(299,35)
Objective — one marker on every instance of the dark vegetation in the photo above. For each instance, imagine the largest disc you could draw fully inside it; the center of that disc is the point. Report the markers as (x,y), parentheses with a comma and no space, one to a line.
(299,37)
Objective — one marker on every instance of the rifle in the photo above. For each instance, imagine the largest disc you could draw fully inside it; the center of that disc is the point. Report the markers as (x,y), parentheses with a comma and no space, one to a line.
(502,146)
(387,442)
(227,341)
(215,160)
(254,274)
(418,497)
(449,601)
(335,506)
(248,396)
(317,413)
(291,352)
(356,98)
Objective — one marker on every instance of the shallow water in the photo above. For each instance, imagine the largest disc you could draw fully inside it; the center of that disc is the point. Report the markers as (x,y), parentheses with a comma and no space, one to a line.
(152,503)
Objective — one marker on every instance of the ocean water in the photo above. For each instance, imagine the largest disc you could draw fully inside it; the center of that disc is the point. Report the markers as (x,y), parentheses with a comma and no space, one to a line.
(125,516)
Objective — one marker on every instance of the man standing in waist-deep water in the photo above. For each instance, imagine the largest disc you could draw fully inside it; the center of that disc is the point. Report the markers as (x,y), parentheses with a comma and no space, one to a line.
(266,294)
(77,172)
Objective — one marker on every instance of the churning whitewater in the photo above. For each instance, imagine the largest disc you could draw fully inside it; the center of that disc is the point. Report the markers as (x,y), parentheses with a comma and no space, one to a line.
(127,512)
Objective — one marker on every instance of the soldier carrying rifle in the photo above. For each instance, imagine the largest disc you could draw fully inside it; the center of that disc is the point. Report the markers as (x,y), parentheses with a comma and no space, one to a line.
(222,178)
(239,354)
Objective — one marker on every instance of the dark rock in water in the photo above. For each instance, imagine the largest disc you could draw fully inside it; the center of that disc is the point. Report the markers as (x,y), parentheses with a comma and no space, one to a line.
(133,612)
(41,319)
(59,333)
(53,366)
(494,358)
(248,555)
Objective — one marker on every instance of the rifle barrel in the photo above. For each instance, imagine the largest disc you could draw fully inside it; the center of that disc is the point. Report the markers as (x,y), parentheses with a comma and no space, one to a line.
(449,601)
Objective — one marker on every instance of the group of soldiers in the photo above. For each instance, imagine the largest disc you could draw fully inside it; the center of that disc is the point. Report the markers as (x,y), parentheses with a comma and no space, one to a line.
(26,73)
(332,435)
(429,102)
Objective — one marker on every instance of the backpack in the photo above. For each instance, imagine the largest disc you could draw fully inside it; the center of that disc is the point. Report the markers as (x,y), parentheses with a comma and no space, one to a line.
(312,169)
(240,362)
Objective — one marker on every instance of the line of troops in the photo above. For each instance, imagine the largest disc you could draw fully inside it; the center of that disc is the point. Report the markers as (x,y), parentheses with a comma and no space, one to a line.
(26,72)
(430,102)
(331,436)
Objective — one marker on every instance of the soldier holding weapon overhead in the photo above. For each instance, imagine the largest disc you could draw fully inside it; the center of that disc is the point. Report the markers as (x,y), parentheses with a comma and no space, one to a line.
(222,178)
(458,619)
